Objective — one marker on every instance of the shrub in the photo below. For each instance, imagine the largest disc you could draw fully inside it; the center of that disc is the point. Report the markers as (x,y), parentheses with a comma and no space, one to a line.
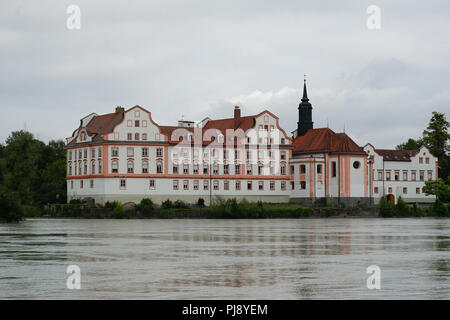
(180,204)
(401,208)
(387,209)
(146,205)
(10,208)
(201,202)
(439,209)
(167,204)
(75,201)
(31,211)
(118,211)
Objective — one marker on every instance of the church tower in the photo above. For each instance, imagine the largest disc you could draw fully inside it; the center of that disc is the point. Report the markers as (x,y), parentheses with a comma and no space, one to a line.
(304,114)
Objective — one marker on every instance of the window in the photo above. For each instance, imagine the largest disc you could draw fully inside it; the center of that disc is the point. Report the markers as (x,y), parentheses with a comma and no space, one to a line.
(129,136)
(237,154)
(159,152)
(123,184)
(283,185)
(115,152)
(195,168)
(260,169)
(292,185)
(205,168)
(302,168)
(226,185)
(99,152)
(175,184)
(272,185)
(302,184)
(405,190)
(185,184)
(136,123)
(91,183)
(216,184)
(238,185)
(215,168)
(100,167)
(71,184)
(130,166)
(237,169)
(93,153)
(375,190)
(144,166)
(129,123)
(70,168)
(413,176)
(420,160)
(283,155)
(249,155)
(205,184)
(144,136)
(93,167)
(396,175)
(249,169)
(380,175)
(226,169)
(159,167)
(427,160)
(145,152)
(405,175)
(136,136)
(85,167)
(390,190)
(195,184)
(85,153)
(417,190)
(388,175)
(283,169)
(260,185)
(130,152)
(333,169)
(356,164)
(81,184)
(136,113)
(175,168)
(319,168)
(421,175)
(282,141)
(152,184)
(249,185)
(430,174)
(185,168)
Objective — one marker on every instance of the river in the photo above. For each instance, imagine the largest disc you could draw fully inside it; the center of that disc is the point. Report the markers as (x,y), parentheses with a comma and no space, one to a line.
(226,259)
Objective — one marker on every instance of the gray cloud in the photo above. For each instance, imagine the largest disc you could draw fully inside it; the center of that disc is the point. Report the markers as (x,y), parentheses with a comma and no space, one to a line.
(198,58)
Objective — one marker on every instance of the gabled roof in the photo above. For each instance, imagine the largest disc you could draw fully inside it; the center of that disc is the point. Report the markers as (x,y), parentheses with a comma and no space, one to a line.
(325,140)
(396,155)
(104,123)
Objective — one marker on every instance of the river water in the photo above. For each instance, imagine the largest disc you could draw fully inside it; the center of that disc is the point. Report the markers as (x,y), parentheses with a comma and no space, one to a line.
(226,259)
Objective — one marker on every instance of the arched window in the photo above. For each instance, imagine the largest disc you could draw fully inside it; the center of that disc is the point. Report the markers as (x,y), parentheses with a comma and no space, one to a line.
(100,167)
(144,166)
(115,166)
(159,167)
(130,166)
(70,168)
(85,167)
(283,169)
(93,167)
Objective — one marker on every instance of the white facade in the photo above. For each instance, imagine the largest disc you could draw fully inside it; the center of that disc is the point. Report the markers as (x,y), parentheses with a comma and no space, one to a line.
(395,176)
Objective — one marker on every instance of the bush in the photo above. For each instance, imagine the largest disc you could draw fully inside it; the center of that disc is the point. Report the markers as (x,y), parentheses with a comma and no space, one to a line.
(118,211)
(75,201)
(10,207)
(439,209)
(167,204)
(402,209)
(180,204)
(31,211)
(387,209)
(201,202)
(146,205)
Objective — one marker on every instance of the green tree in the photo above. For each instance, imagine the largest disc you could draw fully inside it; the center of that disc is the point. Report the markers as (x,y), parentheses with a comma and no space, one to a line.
(436,137)
(437,188)
(411,144)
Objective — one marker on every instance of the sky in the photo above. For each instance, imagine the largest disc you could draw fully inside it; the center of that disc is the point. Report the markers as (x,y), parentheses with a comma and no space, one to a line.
(196,59)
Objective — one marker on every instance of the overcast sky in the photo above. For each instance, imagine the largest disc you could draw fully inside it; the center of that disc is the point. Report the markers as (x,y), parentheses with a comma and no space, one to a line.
(200,58)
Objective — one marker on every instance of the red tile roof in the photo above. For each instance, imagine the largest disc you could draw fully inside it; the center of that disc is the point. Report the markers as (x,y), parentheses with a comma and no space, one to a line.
(104,123)
(325,140)
(396,155)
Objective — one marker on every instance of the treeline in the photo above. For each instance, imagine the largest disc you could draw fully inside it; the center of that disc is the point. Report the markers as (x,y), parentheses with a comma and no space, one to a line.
(32,173)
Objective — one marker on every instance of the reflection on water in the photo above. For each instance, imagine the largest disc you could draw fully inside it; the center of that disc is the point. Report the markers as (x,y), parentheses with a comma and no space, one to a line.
(226,259)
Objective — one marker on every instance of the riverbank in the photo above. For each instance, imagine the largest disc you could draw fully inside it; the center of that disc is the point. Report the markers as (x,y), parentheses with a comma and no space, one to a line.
(228,209)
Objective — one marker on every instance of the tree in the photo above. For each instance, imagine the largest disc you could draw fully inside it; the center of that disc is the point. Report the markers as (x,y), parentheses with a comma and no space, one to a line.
(436,137)
(411,144)
(438,188)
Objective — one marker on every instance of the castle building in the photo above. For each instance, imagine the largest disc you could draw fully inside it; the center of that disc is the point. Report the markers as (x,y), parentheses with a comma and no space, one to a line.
(127,156)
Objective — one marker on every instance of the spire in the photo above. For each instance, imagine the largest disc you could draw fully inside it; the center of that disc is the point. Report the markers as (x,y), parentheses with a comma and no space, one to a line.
(305,94)
(304,113)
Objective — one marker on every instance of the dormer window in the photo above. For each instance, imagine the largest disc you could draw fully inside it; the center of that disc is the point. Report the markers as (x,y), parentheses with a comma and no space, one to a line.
(136,123)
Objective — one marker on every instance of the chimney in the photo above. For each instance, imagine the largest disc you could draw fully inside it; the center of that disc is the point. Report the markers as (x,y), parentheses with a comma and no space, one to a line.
(237,117)
(119,109)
